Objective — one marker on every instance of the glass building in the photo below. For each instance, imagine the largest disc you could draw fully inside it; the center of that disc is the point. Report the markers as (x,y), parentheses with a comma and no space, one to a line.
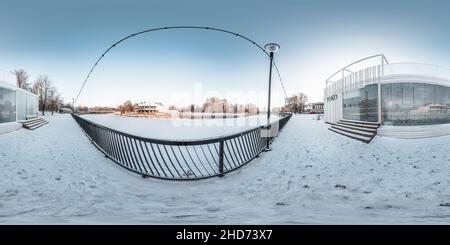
(396,94)
(16,104)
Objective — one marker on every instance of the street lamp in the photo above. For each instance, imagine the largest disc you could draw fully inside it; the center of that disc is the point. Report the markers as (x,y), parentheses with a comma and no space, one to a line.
(270,48)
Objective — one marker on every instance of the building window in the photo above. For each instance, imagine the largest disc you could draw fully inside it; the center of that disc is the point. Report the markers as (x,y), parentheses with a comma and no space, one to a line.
(7,105)
(415,104)
(362,104)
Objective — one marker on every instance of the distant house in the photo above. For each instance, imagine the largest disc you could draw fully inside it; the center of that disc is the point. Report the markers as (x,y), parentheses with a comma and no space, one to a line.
(318,107)
(314,107)
(308,107)
(65,110)
(147,107)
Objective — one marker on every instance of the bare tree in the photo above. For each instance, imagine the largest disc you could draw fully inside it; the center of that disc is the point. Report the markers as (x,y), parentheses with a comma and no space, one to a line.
(82,108)
(59,101)
(215,104)
(297,102)
(42,87)
(126,107)
(21,78)
(55,100)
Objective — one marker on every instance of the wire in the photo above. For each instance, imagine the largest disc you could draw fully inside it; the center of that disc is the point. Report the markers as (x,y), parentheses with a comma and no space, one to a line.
(168,28)
(281,80)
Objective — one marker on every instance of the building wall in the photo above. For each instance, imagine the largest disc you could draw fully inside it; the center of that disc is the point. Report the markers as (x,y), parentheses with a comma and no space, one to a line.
(16,104)
(411,94)
(335,91)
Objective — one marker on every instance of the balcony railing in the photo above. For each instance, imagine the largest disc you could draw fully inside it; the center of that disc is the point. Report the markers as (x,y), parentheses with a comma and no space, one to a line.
(178,159)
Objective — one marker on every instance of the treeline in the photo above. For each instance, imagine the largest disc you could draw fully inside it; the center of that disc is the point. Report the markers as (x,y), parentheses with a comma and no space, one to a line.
(126,107)
(49,97)
(211,105)
(218,105)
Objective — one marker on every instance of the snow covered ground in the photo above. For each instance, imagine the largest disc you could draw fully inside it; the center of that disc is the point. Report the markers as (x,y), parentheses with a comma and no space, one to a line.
(312,175)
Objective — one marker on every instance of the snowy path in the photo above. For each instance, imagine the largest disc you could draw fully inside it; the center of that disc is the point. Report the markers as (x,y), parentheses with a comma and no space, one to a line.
(312,175)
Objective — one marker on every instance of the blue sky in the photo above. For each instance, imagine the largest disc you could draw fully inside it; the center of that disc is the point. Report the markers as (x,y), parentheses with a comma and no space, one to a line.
(64,38)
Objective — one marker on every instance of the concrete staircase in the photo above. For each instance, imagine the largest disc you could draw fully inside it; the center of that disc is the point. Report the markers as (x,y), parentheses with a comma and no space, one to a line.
(362,131)
(34,123)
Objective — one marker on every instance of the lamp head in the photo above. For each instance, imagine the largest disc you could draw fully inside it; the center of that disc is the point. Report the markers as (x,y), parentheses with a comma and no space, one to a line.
(271,47)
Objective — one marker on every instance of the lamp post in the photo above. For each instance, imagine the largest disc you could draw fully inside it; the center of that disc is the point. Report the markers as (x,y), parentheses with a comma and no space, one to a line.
(270,48)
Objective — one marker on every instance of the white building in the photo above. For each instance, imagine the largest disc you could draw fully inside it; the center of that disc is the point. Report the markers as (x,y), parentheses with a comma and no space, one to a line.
(147,107)
(406,100)
(16,105)
(314,107)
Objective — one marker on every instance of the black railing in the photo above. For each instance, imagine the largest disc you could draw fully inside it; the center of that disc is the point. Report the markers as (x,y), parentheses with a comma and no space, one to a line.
(178,159)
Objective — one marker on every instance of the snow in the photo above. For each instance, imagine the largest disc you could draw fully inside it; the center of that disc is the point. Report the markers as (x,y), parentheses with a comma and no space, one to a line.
(312,175)
(179,129)
(415,132)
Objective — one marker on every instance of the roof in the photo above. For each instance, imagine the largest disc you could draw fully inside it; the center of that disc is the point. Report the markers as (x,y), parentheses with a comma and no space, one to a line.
(13,87)
(145,103)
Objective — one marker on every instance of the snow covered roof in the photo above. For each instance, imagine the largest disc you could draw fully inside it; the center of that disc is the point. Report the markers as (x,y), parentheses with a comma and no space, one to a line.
(11,86)
(145,103)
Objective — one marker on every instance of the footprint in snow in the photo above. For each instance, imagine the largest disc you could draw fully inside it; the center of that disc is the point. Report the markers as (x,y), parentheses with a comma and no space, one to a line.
(213,209)
(281,204)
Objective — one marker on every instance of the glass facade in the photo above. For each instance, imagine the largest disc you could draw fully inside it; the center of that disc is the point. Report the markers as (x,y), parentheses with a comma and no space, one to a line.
(21,107)
(415,104)
(26,105)
(17,105)
(361,104)
(7,105)
(403,104)
(32,106)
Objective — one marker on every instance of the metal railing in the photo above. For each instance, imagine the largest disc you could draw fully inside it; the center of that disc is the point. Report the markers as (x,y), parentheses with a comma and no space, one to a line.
(178,159)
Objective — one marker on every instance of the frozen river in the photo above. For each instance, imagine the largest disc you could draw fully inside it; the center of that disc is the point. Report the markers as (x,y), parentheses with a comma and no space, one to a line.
(178,129)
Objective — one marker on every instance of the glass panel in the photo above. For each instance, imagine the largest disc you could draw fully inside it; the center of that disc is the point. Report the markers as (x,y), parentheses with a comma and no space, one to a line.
(361,104)
(7,105)
(441,104)
(21,105)
(351,105)
(31,105)
(417,115)
(429,98)
(372,103)
(386,103)
(408,94)
(415,104)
